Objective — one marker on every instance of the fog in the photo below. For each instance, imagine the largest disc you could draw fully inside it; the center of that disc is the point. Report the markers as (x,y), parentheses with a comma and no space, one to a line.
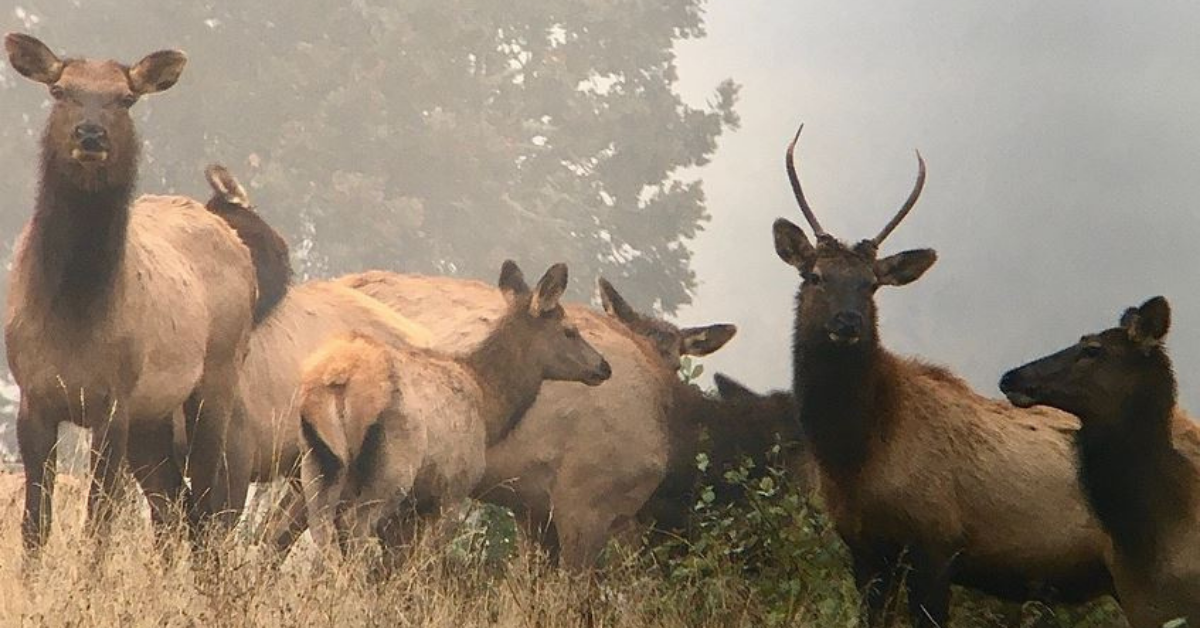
(1063,154)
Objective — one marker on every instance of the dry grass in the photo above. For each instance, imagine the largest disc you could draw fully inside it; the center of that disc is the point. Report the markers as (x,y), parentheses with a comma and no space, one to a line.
(136,584)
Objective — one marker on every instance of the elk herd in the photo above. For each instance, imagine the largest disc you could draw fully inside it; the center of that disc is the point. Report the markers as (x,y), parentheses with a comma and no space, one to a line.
(173,332)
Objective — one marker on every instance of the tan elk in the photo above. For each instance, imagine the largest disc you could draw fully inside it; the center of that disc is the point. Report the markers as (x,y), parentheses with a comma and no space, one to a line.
(268,250)
(120,310)
(583,461)
(916,469)
(389,426)
(1139,457)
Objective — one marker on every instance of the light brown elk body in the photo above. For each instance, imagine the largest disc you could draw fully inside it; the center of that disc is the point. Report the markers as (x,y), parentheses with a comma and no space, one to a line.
(914,463)
(1139,457)
(390,425)
(119,311)
(583,461)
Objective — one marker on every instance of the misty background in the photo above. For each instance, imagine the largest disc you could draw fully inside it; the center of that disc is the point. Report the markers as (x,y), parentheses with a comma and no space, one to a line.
(644,141)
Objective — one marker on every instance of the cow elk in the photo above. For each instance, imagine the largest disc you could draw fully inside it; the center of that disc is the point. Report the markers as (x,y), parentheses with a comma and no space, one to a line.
(582,462)
(916,469)
(398,435)
(1139,457)
(120,311)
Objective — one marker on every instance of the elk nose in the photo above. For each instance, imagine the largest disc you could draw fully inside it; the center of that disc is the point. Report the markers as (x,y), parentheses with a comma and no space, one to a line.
(1008,383)
(91,137)
(605,369)
(845,327)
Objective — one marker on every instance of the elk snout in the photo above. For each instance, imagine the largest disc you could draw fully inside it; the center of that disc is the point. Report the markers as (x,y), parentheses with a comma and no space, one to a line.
(91,142)
(603,372)
(845,327)
(1018,391)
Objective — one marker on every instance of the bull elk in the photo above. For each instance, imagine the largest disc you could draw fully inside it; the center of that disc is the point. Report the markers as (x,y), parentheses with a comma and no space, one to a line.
(582,462)
(120,311)
(916,469)
(1139,457)
(389,426)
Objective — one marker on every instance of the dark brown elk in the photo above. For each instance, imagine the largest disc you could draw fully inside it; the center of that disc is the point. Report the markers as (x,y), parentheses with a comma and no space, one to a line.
(583,461)
(268,250)
(120,311)
(1139,457)
(916,469)
(389,426)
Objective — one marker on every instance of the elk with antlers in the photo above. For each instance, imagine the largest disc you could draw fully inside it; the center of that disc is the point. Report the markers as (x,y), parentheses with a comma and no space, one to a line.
(916,469)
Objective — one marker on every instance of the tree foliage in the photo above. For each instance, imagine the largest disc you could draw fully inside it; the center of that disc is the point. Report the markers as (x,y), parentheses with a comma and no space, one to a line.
(437,136)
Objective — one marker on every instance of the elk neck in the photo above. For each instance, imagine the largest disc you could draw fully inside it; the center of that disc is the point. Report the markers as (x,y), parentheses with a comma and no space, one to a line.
(843,397)
(1138,484)
(77,239)
(506,375)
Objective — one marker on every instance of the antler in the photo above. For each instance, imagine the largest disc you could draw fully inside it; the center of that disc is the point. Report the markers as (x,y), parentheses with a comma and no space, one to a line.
(797,190)
(907,207)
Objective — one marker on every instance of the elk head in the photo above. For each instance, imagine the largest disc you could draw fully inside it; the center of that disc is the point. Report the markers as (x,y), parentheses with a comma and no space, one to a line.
(1100,376)
(548,337)
(836,304)
(90,133)
(670,341)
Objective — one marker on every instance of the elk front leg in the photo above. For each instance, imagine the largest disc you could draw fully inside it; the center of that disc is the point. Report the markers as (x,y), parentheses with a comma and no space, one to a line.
(220,481)
(110,437)
(153,463)
(36,437)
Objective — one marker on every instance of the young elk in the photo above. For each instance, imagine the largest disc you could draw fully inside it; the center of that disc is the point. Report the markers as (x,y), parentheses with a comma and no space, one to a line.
(120,311)
(268,250)
(390,426)
(1139,457)
(914,464)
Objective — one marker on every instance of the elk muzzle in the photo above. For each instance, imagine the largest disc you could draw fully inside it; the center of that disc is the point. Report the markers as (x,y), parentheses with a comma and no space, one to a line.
(845,328)
(1020,391)
(601,375)
(91,143)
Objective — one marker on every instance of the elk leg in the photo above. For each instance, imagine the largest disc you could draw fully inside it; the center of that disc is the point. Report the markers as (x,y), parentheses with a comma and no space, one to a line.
(220,481)
(36,437)
(110,439)
(928,590)
(875,577)
(582,536)
(289,518)
(152,461)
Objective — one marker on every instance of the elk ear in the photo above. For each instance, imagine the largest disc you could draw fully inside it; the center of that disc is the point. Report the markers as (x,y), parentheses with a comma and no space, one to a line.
(729,389)
(615,304)
(33,59)
(904,268)
(512,283)
(156,72)
(1150,323)
(550,290)
(226,186)
(793,246)
(705,340)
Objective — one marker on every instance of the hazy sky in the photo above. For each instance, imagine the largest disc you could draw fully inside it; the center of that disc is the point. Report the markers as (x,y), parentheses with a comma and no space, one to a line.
(1064,168)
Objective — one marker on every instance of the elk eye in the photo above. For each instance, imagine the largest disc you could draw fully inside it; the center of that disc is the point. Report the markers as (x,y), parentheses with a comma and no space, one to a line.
(813,279)
(1091,352)
(571,333)
(57,92)
(128,101)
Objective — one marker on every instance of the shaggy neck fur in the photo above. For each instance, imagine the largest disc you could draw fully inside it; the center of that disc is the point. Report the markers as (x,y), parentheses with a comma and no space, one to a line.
(77,238)
(509,382)
(1137,483)
(841,393)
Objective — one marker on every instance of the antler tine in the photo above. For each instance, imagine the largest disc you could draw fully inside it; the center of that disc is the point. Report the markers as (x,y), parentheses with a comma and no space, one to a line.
(908,204)
(797,190)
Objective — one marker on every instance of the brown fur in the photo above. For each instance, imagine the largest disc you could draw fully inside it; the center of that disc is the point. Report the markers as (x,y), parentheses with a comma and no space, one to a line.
(917,470)
(582,461)
(268,250)
(1139,457)
(436,414)
(118,312)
